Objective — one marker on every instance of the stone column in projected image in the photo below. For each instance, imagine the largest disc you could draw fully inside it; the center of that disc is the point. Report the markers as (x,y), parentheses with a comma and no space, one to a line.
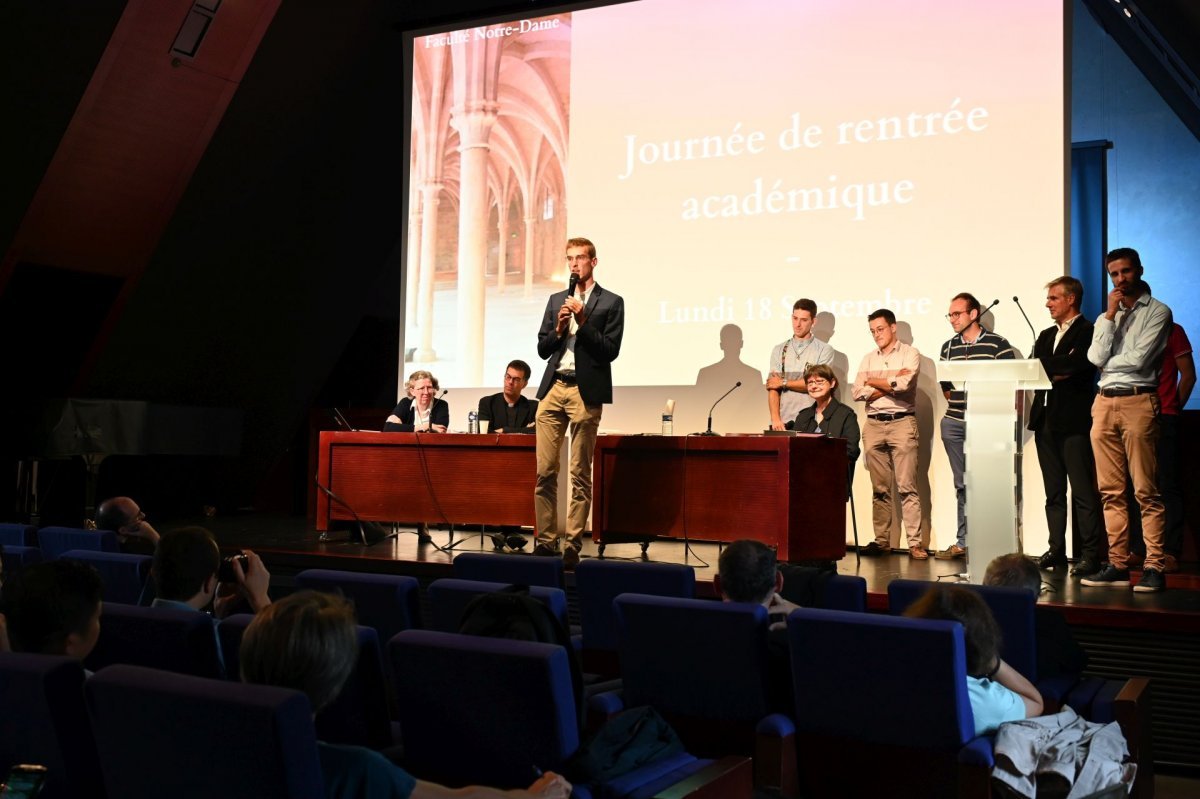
(413,258)
(474,125)
(502,237)
(429,203)
(530,222)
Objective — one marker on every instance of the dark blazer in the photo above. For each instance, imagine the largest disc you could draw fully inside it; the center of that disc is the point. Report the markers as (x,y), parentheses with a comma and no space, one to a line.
(840,422)
(1069,408)
(494,408)
(597,344)
(404,410)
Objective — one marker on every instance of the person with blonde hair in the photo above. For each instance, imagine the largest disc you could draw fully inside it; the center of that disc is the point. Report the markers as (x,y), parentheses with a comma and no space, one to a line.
(421,411)
(308,642)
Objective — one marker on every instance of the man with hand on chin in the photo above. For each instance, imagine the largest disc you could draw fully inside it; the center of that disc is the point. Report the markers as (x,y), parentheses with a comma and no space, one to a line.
(1127,346)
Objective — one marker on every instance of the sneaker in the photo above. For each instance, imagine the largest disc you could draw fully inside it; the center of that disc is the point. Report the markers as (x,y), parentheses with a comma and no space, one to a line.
(951,552)
(873,550)
(1085,568)
(1152,582)
(1052,560)
(570,558)
(1109,575)
(918,553)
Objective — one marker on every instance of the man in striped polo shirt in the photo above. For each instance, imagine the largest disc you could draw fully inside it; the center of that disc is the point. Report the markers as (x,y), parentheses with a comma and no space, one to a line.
(970,343)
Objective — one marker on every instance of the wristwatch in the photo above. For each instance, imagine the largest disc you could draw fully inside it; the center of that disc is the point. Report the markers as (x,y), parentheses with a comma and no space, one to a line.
(893,386)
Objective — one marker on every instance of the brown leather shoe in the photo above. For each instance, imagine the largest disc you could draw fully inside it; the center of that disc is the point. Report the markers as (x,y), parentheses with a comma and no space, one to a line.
(955,551)
(918,553)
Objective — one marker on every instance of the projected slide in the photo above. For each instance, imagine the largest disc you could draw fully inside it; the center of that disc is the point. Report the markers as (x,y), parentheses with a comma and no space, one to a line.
(728,158)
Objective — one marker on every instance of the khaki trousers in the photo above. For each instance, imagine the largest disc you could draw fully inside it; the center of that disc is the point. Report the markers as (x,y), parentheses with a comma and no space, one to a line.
(890,449)
(560,410)
(1125,441)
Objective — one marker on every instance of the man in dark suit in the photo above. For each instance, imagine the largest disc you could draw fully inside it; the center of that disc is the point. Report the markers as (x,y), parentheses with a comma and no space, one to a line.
(580,337)
(508,411)
(1061,419)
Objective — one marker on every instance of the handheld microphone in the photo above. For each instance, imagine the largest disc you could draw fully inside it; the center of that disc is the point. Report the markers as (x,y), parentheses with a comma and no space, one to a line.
(709,431)
(571,284)
(1031,330)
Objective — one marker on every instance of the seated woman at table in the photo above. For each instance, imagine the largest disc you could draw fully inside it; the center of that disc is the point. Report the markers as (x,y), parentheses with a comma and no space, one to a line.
(827,415)
(419,411)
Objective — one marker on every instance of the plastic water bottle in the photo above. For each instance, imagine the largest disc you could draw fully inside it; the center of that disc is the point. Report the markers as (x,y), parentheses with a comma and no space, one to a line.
(473,422)
(668,424)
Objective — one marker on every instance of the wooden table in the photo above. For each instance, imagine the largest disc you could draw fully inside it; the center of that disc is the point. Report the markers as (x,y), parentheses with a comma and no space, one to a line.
(438,478)
(786,491)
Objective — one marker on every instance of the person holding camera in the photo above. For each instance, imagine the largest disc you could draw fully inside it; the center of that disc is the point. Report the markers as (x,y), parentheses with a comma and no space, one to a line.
(189,573)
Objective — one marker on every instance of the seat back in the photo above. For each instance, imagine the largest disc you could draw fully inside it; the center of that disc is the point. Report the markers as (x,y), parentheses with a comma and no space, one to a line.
(388,602)
(181,641)
(702,664)
(18,535)
(170,734)
(54,541)
(883,692)
(44,721)
(845,592)
(449,597)
(124,576)
(18,557)
(514,569)
(1013,609)
(360,714)
(482,710)
(598,582)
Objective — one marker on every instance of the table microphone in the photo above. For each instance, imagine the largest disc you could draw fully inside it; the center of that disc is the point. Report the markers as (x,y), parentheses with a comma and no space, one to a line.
(709,431)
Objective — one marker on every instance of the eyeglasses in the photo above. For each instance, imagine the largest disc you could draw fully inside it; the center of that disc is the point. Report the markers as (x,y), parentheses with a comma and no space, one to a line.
(818,381)
(955,314)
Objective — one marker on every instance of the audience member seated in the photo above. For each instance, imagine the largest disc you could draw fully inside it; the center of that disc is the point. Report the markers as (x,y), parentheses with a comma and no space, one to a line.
(123,516)
(998,693)
(308,642)
(53,608)
(1058,653)
(746,572)
(187,575)
(420,410)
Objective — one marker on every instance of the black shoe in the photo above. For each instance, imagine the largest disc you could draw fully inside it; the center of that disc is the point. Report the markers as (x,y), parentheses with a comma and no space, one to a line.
(1108,576)
(1052,560)
(1085,568)
(1152,582)
(515,540)
(498,541)
(545,551)
(873,550)
(570,558)
(423,536)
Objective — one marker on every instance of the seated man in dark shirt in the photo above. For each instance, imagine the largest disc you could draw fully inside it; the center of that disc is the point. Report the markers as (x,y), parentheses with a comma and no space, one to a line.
(747,572)
(508,411)
(1058,653)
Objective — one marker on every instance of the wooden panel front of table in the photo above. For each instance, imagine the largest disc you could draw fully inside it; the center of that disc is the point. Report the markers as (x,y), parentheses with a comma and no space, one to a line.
(438,478)
(786,491)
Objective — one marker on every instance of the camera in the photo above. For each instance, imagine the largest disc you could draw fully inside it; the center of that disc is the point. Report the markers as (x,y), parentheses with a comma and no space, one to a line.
(225,573)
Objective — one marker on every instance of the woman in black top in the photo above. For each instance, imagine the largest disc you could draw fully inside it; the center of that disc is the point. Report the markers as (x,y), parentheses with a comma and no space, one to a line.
(420,410)
(827,415)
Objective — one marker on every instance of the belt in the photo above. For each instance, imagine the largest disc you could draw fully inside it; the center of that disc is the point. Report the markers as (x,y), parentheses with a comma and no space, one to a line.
(566,378)
(1127,391)
(888,417)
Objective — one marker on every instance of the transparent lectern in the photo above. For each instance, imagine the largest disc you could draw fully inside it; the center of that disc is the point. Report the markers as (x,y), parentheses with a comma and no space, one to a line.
(995,424)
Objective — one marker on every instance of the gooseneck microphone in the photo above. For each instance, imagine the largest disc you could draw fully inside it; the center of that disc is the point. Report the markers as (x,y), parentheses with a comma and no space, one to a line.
(1031,330)
(709,431)
(985,310)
